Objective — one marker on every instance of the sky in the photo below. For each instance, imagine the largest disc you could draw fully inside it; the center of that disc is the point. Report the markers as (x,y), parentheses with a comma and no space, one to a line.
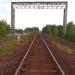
(38,18)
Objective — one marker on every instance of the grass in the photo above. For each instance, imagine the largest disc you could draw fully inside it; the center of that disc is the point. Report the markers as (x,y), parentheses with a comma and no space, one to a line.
(63,42)
(9,42)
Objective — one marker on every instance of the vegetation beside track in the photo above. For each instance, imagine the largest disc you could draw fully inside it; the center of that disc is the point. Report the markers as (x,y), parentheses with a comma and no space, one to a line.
(57,31)
(64,42)
(4,28)
(9,42)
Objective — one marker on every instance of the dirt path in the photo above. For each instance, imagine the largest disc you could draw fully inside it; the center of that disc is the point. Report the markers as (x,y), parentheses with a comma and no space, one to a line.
(9,62)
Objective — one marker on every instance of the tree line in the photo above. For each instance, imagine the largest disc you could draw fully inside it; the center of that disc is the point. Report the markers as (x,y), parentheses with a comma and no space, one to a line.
(28,29)
(57,31)
(70,32)
(6,29)
(33,29)
(54,30)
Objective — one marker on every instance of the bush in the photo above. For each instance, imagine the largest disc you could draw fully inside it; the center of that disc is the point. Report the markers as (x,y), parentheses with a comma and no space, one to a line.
(70,31)
(53,30)
(57,31)
(4,28)
(33,29)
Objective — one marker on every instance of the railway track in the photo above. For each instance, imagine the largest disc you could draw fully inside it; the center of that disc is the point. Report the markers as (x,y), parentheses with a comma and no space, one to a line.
(39,60)
(68,43)
(65,59)
(63,41)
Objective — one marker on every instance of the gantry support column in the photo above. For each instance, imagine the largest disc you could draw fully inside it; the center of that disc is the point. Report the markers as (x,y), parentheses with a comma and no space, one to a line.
(45,5)
(12,18)
(64,20)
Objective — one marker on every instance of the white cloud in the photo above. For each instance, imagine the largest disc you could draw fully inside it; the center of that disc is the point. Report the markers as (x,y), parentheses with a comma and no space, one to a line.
(5,11)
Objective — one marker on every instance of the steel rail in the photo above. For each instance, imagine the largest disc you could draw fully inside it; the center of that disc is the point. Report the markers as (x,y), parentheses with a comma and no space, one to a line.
(23,60)
(62,72)
(66,42)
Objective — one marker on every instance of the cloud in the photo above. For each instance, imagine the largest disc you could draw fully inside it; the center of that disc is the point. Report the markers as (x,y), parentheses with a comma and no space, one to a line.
(5,9)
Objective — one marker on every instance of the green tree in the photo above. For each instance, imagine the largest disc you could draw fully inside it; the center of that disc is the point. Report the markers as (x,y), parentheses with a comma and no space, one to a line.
(60,30)
(20,31)
(57,31)
(50,29)
(33,29)
(70,32)
(4,28)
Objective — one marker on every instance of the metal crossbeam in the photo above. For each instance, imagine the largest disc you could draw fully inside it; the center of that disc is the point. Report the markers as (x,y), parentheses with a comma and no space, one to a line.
(48,2)
(39,5)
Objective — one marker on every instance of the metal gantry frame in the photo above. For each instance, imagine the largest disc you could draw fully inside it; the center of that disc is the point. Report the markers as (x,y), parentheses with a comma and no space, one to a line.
(39,5)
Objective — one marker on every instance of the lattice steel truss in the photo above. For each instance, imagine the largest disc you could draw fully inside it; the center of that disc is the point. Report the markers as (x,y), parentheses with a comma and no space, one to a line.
(39,5)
